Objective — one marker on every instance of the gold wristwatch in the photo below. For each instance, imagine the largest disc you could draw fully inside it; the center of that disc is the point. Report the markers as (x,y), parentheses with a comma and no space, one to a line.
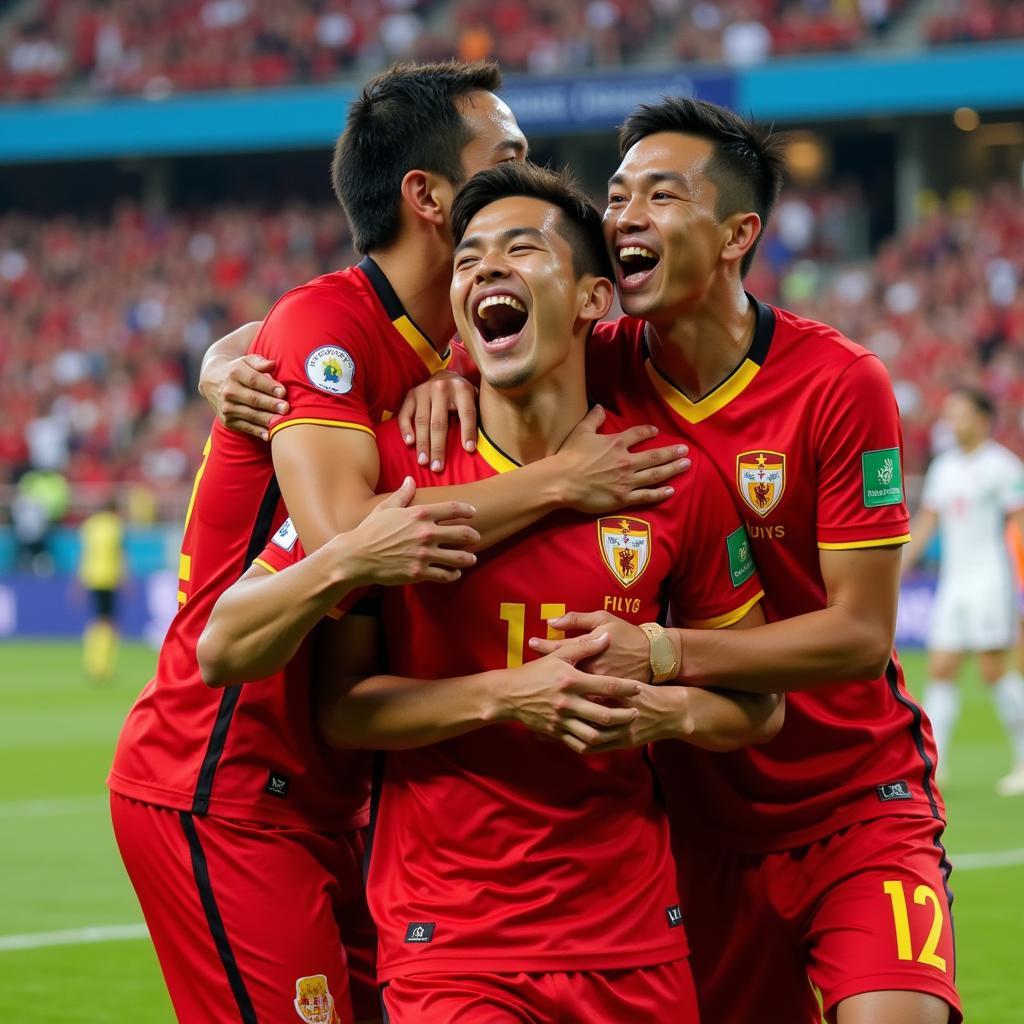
(664,660)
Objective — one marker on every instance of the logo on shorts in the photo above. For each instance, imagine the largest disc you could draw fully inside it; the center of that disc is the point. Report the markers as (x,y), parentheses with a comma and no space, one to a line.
(314,1002)
(882,478)
(331,369)
(894,791)
(675,916)
(761,479)
(277,785)
(625,547)
(419,931)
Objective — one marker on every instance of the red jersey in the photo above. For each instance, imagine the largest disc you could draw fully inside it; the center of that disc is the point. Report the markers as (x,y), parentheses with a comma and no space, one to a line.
(502,850)
(808,433)
(347,354)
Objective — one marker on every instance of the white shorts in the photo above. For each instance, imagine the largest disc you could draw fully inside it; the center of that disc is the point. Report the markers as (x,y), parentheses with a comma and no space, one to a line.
(980,614)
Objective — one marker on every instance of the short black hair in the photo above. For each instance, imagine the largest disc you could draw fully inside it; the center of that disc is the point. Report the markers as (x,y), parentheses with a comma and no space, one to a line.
(404,119)
(579,224)
(746,163)
(981,400)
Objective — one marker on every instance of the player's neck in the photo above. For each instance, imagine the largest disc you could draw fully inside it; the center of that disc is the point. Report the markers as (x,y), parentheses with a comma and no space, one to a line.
(421,276)
(701,346)
(969,447)
(531,424)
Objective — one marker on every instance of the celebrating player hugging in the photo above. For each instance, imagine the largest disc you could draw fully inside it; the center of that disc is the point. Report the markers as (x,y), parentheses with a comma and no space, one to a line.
(565,644)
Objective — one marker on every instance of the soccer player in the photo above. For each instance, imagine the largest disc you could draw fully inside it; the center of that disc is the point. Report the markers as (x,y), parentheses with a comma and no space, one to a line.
(970,492)
(815,861)
(510,878)
(101,573)
(242,837)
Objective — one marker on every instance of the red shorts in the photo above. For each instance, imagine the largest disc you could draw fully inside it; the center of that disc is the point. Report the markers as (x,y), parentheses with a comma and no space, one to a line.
(252,923)
(864,910)
(641,995)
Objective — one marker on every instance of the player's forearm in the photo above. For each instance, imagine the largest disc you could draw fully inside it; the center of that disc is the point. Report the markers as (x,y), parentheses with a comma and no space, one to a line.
(508,502)
(727,720)
(399,713)
(258,624)
(828,646)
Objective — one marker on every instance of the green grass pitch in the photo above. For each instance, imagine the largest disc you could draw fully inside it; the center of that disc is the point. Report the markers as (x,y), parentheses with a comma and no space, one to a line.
(60,869)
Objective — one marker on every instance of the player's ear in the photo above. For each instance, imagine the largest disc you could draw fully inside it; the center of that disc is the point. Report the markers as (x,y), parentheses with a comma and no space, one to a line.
(597,294)
(428,196)
(742,231)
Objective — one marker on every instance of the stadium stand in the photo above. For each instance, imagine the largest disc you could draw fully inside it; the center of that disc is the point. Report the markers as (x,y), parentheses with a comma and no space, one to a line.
(156,47)
(106,323)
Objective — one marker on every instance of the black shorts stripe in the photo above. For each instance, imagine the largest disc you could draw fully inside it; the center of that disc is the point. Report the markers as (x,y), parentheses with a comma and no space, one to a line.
(201,873)
(917,734)
(229,699)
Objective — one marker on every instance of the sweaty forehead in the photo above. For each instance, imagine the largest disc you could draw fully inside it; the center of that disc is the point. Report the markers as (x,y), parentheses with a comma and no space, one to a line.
(515,213)
(491,119)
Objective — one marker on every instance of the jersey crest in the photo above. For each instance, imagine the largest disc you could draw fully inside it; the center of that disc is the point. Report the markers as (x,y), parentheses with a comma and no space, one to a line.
(313,1000)
(625,547)
(761,478)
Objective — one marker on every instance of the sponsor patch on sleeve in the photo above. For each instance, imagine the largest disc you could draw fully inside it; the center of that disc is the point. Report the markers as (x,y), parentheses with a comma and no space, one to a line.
(741,562)
(882,477)
(286,536)
(331,369)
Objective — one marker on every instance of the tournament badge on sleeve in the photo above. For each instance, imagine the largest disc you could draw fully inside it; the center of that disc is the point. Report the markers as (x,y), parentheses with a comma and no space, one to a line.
(625,547)
(314,1002)
(761,478)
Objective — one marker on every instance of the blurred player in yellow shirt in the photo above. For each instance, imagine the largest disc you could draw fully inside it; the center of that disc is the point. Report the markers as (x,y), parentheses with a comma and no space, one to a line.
(101,572)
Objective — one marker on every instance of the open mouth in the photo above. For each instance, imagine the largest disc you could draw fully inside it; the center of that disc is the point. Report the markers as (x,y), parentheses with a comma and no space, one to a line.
(636,264)
(500,319)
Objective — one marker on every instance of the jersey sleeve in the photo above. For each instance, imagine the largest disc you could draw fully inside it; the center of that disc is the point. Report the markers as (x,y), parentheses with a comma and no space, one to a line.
(285,549)
(715,582)
(859,451)
(323,361)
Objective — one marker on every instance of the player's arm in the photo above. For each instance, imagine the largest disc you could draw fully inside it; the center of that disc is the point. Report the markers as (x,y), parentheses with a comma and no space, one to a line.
(257,624)
(238,384)
(388,712)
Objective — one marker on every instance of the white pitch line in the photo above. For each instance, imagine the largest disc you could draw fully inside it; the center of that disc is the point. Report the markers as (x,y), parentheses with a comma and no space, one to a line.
(73,937)
(992,859)
(51,808)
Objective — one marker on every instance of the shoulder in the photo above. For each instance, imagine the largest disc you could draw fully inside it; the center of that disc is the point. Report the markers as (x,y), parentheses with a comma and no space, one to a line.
(333,304)
(825,347)
(622,338)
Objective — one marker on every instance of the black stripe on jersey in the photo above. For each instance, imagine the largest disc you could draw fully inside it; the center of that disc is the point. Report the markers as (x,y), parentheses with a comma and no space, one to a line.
(376,786)
(201,873)
(229,699)
(918,736)
(389,300)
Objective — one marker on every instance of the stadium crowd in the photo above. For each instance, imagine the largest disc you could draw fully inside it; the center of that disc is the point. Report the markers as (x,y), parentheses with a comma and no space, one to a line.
(160,46)
(105,325)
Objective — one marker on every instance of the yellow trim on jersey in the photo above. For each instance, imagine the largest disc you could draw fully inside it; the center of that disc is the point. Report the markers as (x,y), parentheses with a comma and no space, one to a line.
(322,423)
(695,412)
(728,619)
(182,598)
(199,476)
(494,457)
(881,542)
(185,568)
(264,565)
(421,346)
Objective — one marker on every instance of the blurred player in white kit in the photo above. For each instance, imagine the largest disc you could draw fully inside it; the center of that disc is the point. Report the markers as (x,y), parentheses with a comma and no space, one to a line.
(970,491)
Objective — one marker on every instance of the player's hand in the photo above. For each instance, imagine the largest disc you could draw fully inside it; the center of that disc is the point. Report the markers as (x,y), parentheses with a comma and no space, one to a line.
(627,653)
(601,474)
(243,393)
(553,697)
(663,712)
(423,417)
(396,544)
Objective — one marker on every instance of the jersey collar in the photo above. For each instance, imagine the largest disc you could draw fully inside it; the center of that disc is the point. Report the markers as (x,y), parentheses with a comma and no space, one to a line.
(733,385)
(492,454)
(400,320)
